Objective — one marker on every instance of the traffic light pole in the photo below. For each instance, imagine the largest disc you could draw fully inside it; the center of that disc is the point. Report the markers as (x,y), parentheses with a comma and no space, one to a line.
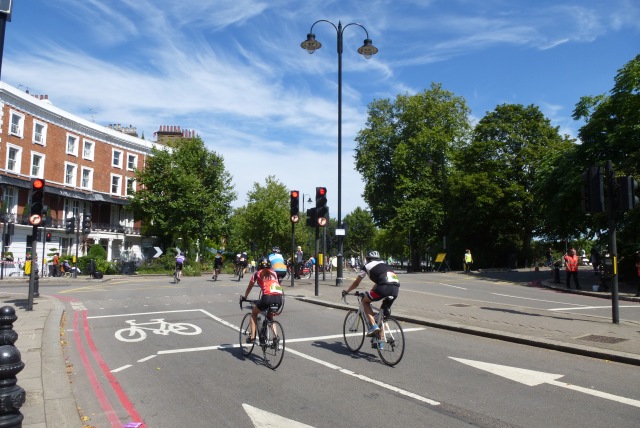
(317,261)
(293,248)
(613,246)
(34,267)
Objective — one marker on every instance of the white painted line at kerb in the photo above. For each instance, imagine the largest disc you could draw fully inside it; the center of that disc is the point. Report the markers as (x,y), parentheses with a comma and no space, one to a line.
(538,300)
(592,307)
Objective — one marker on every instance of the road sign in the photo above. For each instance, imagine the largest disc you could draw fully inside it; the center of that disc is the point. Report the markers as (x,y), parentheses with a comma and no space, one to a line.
(158,252)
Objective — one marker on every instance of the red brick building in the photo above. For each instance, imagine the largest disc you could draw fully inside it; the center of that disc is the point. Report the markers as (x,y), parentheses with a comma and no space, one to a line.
(88,169)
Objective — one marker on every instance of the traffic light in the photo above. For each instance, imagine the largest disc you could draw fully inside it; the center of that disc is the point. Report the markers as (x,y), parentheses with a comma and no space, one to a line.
(48,237)
(295,206)
(70,224)
(593,190)
(322,211)
(86,224)
(37,201)
(311,217)
(627,189)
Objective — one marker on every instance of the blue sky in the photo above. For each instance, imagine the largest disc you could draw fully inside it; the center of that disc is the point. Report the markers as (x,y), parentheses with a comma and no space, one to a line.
(234,71)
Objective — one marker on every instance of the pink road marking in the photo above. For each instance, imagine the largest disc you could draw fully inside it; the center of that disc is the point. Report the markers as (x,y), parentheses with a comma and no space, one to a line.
(97,389)
(126,403)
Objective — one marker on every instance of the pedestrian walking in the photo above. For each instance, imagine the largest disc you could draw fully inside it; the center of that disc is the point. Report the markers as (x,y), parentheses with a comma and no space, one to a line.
(572,262)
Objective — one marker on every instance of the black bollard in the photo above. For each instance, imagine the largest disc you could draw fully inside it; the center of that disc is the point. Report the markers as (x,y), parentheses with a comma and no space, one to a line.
(12,396)
(556,273)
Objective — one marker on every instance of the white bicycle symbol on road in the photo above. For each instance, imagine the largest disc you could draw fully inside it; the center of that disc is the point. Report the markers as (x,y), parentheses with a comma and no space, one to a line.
(136,332)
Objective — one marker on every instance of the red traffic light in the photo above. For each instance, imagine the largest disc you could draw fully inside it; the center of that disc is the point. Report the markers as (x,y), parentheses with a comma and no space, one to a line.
(295,193)
(322,191)
(37,183)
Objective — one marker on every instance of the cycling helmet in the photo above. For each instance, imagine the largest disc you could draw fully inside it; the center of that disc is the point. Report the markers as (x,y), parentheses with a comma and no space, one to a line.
(264,263)
(244,253)
(219,251)
(275,249)
(373,255)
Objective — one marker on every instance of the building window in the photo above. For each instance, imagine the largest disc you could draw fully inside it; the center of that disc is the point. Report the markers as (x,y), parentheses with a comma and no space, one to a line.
(117,159)
(88,150)
(72,145)
(116,184)
(39,133)
(132,162)
(9,200)
(70,174)
(87,178)
(131,186)
(14,155)
(17,124)
(37,165)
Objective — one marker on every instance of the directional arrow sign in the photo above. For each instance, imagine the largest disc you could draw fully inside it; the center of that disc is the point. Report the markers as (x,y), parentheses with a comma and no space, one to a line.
(534,378)
(158,252)
(264,419)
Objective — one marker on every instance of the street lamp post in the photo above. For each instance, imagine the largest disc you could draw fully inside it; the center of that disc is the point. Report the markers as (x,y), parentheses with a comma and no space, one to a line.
(367,50)
(309,201)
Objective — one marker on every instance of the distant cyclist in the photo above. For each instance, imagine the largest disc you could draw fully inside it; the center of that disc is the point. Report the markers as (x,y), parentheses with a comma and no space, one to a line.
(244,262)
(267,279)
(180,259)
(386,284)
(277,263)
(217,265)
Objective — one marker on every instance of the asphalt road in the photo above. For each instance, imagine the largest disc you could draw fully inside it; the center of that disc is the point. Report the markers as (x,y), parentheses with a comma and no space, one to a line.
(445,379)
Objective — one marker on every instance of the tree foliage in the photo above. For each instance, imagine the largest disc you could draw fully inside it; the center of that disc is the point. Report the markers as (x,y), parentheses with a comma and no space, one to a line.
(361,232)
(496,204)
(401,155)
(183,195)
(264,220)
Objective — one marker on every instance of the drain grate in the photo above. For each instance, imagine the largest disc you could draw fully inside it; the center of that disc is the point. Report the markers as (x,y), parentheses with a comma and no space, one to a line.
(602,339)
(460,305)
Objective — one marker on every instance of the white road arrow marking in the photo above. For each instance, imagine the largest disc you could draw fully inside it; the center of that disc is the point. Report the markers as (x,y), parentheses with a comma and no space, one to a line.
(534,378)
(264,419)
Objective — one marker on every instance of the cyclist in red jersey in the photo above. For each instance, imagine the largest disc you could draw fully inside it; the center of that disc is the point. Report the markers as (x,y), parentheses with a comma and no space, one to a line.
(267,279)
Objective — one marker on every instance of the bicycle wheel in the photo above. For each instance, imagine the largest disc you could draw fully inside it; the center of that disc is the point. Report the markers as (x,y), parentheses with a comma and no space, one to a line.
(353,330)
(393,342)
(175,276)
(245,332)
(273,349)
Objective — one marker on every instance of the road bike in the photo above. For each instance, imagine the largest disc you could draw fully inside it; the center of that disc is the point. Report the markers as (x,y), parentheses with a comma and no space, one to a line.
(176,276)
(216,272)
(136,332)
(270,334)
(389,341)
(237,271)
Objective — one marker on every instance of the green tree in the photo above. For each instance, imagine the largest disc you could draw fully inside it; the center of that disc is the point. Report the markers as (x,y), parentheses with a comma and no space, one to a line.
(495,203)
(264,220)
(361,232)
(402,155)
(612,132)
(183,195)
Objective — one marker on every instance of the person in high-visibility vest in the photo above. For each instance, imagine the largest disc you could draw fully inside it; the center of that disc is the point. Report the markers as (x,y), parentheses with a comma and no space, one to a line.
(468,261)
(572,262)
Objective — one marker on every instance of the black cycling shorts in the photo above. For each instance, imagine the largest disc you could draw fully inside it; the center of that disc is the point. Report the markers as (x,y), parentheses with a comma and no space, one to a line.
(178,266)
(381,291)
(269,299)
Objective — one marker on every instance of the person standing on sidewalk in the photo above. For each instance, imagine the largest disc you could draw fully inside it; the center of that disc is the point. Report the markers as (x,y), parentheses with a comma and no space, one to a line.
(571,261)
(468,261)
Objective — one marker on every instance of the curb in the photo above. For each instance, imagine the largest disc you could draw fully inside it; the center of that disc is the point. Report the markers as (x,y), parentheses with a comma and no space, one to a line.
(587,351)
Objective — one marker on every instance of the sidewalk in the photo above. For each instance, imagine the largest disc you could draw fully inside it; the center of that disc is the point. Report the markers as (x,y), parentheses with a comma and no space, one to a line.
(567,332)
(50,402)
